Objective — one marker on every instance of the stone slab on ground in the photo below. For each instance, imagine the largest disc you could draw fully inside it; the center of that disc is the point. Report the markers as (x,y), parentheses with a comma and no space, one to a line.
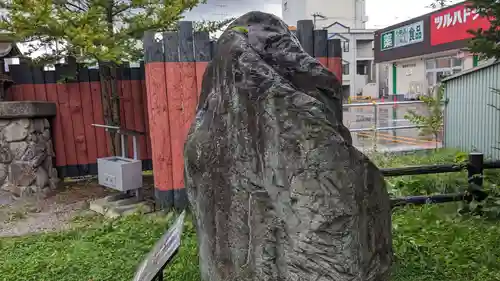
(117,205)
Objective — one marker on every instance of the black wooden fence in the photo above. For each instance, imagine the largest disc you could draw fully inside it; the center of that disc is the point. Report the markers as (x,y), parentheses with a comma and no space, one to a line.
(475,167)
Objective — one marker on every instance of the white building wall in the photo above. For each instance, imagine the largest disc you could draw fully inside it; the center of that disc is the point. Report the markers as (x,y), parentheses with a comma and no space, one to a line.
(364,49)
(468,62)
(350,13)
(411,73)
(411,77)
(293,11)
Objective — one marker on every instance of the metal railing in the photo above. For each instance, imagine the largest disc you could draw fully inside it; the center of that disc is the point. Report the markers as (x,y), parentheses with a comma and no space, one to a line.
(374,122)
(475,167)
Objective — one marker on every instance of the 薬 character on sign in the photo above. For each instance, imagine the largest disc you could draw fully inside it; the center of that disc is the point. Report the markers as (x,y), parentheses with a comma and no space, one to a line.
(387,40)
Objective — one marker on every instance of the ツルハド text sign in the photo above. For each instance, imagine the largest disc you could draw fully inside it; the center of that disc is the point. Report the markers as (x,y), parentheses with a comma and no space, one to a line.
(452,24)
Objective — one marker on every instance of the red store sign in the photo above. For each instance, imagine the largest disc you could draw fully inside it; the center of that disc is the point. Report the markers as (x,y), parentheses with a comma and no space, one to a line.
(452,24)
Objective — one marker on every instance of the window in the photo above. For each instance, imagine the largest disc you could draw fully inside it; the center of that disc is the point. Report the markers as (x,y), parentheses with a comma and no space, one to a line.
(345,69)
(430,76)
(438,68)
(345,46)
(456,62)
(430,64)
(361,69)
(443,63)
(442,74)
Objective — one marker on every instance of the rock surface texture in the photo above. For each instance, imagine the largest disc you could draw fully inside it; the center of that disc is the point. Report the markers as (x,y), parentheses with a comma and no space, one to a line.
(26,150)
(278,190)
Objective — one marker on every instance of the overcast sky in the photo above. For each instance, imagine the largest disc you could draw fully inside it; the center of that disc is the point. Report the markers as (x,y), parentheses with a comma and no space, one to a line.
(381,13)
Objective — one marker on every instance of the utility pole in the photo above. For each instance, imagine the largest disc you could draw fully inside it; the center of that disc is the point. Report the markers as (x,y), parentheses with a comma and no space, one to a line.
(317,15)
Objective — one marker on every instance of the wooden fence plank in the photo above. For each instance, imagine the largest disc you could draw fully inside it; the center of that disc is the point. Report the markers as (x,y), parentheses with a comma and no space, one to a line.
(75,107)
(202,56)
(138,103)
(305,35)
(189,99)
(56,125)
(19,81)
(335,58)
(39,84)
(119,89)
(174,78)
(28,87)
(128,107)
(101,135)
(145,102)
(321,46)
(67,126)
(88,119)
(158,107)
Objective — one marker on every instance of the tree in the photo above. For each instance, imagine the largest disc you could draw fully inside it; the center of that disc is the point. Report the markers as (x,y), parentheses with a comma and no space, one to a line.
(107,32)
(486,42)
(431,123)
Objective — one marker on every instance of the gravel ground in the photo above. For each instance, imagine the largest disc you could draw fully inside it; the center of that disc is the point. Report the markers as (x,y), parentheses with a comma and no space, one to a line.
(51,213)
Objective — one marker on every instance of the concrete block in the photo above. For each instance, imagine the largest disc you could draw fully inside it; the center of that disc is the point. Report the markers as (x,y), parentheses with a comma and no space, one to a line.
(26,109)
(117,205)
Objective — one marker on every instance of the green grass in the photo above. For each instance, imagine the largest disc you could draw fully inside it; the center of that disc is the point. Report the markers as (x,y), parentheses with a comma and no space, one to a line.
(431,243)
(96,250)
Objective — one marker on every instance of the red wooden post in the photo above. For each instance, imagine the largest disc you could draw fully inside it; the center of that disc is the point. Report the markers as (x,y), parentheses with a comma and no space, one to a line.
(159,120)
(335,66)
(321,46)
(335,58)
(174,73)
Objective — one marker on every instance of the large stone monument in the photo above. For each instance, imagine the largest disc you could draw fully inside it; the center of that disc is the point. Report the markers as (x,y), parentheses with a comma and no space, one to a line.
(278,190)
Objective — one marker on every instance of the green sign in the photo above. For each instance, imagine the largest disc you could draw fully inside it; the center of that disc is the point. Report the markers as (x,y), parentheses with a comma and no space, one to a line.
(402,36)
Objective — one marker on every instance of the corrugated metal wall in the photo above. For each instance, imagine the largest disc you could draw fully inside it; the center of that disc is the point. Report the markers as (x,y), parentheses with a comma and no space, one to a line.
(470,122)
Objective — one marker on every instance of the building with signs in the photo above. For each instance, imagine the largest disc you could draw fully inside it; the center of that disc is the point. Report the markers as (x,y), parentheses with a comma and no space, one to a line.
(344,20)
(415,55)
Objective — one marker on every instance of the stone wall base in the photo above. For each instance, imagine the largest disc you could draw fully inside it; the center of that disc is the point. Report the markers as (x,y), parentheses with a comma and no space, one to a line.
(26,156)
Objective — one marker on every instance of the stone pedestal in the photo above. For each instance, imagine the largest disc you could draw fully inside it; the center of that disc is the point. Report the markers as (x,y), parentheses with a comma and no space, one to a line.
(26,149)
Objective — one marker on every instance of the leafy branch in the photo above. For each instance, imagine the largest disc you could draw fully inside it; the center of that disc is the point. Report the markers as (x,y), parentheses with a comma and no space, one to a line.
(432,122)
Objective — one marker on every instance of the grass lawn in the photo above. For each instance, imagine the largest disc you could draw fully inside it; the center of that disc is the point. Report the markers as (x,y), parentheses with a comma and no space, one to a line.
(431,243)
